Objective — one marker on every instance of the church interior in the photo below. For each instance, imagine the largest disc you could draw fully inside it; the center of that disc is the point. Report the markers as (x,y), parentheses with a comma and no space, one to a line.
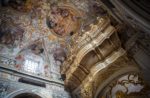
(74,49)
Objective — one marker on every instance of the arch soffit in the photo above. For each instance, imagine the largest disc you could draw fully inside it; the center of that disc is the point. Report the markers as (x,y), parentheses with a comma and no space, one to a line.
(18,92)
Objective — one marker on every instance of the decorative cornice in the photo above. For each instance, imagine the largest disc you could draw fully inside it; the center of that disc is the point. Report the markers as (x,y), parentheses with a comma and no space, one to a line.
(102,65)
(89,41)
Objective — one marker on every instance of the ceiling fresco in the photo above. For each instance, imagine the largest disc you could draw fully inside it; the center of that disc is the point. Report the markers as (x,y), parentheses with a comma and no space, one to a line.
(75,43)
(63,20)
(42,30)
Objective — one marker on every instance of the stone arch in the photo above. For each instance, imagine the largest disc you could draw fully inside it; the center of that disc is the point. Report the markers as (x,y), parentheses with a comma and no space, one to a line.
(27,95)
(111,74)
(19,92)
(128,85)
(100,78)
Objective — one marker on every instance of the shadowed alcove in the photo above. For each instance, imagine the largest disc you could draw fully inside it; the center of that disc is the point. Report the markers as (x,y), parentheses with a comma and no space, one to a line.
(27,95)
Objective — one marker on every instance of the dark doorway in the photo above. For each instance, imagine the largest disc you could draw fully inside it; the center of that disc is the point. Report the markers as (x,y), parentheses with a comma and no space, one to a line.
(27,95)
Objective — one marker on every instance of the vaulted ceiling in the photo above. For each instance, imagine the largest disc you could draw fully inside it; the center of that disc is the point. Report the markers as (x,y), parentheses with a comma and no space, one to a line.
(78,37)
(44,29)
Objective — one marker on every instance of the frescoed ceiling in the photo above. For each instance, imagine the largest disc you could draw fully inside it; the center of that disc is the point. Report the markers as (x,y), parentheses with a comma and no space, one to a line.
(43,28)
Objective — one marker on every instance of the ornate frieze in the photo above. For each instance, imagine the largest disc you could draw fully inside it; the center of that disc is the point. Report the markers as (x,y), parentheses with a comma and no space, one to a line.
(89,41)
(102,43)
(10,89)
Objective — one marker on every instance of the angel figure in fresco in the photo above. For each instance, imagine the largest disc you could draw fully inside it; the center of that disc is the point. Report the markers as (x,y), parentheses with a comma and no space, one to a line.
(62,20)
(37,48)
(10,34)
(59,55)
(6,38)
(46,71)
